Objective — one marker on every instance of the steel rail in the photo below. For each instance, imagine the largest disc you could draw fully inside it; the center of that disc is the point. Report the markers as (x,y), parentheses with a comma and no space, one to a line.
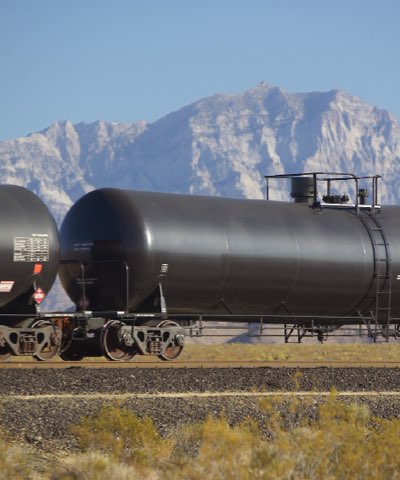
(201,363)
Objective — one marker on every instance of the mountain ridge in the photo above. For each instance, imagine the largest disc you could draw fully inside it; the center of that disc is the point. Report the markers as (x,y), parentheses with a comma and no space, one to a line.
(218,145)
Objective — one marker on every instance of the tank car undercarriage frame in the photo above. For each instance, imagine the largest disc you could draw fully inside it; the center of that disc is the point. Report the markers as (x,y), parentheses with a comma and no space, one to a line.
(291,328)
(125,335)
(120,336)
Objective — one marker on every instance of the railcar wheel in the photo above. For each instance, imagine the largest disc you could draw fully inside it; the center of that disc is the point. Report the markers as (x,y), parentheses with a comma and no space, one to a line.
(111,344)
(71,356)
(70,352)
(172,351)
(5,353)
(50,348)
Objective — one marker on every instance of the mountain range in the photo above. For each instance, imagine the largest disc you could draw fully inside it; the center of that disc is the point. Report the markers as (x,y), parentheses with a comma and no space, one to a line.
(221,145)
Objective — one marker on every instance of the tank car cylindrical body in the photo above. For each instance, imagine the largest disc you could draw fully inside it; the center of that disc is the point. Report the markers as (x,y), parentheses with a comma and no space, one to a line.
(29,249)
(252,256)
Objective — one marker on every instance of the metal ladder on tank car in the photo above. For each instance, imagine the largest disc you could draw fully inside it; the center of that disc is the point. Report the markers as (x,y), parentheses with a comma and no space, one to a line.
(382,293)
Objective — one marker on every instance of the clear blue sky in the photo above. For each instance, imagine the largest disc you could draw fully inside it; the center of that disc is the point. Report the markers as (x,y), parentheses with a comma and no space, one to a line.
(127,60)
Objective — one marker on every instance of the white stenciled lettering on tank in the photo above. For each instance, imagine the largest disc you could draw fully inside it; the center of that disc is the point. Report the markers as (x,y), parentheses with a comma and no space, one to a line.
(35,248)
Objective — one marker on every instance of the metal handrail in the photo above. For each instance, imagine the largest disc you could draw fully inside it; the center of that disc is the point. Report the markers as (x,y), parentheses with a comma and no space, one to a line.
(329,177)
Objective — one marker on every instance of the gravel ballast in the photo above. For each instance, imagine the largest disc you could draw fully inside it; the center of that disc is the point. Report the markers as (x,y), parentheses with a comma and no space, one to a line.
(104,380)
(29,414)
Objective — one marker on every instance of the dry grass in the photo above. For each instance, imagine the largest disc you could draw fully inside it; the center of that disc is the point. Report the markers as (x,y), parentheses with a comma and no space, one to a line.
(14,461)
(342,442)
(293,352)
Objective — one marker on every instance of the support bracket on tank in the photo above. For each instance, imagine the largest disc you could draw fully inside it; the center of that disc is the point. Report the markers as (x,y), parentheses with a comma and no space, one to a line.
(163,303)
(161,280)
(222,302)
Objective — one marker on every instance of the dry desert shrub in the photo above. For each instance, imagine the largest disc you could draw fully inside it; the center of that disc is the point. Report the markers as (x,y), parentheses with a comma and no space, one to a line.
(14,461)
(215,450)
(342,441)
(97,466)
(339,441)
(120,434)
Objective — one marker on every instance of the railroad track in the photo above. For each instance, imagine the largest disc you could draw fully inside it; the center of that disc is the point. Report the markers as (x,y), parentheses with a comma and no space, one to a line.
(156,364)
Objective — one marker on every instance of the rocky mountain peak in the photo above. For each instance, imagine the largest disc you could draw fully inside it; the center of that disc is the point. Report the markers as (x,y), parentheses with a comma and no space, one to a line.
(220,145)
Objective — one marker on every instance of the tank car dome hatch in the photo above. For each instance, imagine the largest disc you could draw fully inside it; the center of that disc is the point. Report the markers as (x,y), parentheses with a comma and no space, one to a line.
(302,190)
(29,249)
